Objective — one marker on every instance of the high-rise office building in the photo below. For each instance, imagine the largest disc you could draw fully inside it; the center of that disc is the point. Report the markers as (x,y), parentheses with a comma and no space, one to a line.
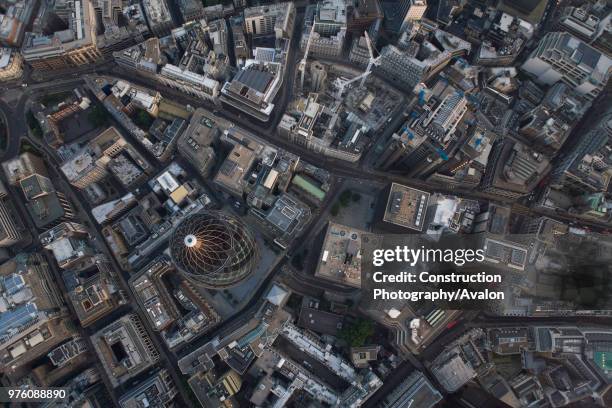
(513,169)
(330,23)
(400,66)
(416,10)
(158,17)
(562,57)
(584,166)
(124,349)
(213,250)
(271,19)
(69,243)
(67,48)
(108,11)
(191,9)
(398,14)
(12,229)
(33,317)
(157,391)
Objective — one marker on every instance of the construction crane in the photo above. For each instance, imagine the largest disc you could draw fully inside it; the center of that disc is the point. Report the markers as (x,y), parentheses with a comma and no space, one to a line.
(302,66)
(342,84)
(372,60)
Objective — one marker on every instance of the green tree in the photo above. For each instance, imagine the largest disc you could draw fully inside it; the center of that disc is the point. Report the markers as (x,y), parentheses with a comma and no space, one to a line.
(98,116)
(356,197)
(3,135)
(143,120)
(357,333)
(54,99)
(26,147)
(298,261)
(345,198)
(335,209)
(33,124)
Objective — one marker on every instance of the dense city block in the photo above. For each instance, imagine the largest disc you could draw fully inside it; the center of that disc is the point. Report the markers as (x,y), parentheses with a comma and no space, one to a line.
(308,204)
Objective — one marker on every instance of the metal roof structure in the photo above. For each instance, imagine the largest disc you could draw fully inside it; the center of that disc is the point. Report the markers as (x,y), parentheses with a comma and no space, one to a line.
(255,78)
(213,250)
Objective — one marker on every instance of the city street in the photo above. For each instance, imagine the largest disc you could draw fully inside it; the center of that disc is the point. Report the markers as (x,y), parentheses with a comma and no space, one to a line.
(263,230)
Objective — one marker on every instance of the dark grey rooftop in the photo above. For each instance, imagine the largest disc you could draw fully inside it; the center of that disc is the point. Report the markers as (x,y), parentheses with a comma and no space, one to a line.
(320,322)
(580,52)
(46,210)
(35,185)
(255,78)
(590,56)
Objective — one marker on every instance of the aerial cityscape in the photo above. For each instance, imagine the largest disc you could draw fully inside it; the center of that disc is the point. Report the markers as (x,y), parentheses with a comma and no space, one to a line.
(309,204)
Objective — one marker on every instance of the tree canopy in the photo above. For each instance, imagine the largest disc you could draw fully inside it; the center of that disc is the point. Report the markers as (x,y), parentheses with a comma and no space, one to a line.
(357,333)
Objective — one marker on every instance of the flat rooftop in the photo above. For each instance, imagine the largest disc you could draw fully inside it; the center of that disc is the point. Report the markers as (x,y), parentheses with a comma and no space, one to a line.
(255,79)
(549,228)
(201,131)
(505,253)
(603,360)
(124,349)
(341,255)
(415,391)
(509,340)
(234,168)
(46,209)
(79,165)
(320,322)
(453,372)
(406,207)
(331,11)
(286,214)
(266,9)
(529,10)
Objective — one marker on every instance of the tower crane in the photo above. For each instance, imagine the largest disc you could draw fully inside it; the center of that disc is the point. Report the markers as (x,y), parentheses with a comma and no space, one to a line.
(341,84)
(372,62)
(302,66)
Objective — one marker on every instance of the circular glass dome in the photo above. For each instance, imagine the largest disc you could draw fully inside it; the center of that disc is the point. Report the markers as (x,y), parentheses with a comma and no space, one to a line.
(213,250)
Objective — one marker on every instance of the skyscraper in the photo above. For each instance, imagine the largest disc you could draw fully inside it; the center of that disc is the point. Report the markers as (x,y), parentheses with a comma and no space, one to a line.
(11,228)
(562,57)
(213,250)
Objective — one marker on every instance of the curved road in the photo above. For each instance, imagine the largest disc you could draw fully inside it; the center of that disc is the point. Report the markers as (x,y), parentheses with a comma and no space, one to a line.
(15,128)
(15,114)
